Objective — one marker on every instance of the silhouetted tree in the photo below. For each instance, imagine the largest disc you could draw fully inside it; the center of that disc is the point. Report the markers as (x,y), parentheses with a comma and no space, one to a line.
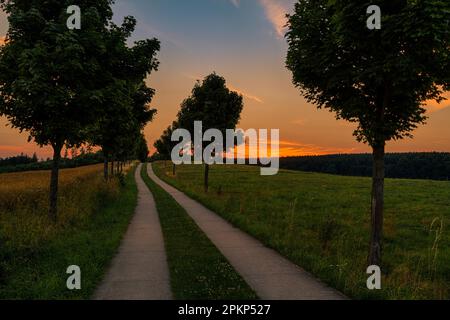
(215,105)
(378,79)
(142,149)
(126,104)
(164,145)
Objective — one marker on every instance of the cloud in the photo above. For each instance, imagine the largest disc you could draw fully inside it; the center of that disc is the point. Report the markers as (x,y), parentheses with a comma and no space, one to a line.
(299,122)
(231,87)
(276,13)
(290,148)
(245,94)
(235,3)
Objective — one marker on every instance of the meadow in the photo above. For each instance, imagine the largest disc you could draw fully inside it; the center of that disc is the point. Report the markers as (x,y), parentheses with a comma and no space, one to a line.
(35,253)
(321,222)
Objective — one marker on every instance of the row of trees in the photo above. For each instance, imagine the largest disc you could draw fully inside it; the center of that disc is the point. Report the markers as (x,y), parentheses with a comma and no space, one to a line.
(210,102)
(72,87)
(18,160)
(379,79)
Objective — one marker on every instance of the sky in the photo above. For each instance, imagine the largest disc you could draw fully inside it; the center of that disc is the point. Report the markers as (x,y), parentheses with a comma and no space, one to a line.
(243,41)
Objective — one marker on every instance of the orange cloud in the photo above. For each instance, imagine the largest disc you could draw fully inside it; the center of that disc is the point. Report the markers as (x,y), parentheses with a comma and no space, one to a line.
(276,13)
(290,149)
(246,95)
(232,88)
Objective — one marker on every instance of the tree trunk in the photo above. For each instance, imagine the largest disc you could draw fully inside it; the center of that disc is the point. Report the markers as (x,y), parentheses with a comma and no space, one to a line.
(112,169)
(174,168)
(105,168)
(53,201)
(377,206)
(206,177)
(118,167)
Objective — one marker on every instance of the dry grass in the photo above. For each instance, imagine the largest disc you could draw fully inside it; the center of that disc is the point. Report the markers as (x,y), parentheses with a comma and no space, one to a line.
(24,203)
(34,252)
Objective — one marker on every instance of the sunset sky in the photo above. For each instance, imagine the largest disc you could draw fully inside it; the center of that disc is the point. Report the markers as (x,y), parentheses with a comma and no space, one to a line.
(243,41)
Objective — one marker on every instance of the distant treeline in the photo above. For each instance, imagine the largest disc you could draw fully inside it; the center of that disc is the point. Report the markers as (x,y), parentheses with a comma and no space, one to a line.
(26,163)
(435,166)
(18,160)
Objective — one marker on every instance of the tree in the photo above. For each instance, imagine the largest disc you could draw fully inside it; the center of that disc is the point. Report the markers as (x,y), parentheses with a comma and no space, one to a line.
(165,145)
(212,103)
(49,75)
(142,149)
(378,79)
(126,108)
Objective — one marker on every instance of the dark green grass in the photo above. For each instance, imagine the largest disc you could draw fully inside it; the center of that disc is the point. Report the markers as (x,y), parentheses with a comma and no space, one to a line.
(321,222)
(40,272)
(198,271)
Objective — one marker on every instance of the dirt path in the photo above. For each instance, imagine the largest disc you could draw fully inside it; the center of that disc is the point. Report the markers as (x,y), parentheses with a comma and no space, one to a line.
(139,271)
(267,272)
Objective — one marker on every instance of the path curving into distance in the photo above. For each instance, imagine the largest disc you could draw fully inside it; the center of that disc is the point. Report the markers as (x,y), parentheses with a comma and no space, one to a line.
(268,273)
(139,271)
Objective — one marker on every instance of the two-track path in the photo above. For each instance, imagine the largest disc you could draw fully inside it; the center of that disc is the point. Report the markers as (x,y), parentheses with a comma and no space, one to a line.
(267,272)
(139,271)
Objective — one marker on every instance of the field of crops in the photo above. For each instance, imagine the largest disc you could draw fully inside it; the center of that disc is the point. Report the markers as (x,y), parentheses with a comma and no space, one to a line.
(92,216)
(24,203)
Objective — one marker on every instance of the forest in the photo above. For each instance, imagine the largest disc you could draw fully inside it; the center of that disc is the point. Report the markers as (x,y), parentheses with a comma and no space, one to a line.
(426,165)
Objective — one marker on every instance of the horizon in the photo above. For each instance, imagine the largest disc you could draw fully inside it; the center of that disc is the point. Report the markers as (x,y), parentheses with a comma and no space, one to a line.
(242,41)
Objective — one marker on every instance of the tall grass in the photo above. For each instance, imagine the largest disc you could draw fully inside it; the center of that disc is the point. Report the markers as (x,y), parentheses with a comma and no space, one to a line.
(34,252)
(24,204)
(322,223)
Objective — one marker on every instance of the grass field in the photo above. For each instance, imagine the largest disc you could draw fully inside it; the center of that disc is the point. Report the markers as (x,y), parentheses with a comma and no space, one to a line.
(34,253)
(321,222)
(197,269)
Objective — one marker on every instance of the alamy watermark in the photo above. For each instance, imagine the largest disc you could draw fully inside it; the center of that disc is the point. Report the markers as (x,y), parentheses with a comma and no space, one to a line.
(374,20)
(240,146)
(74,280)
(374,281)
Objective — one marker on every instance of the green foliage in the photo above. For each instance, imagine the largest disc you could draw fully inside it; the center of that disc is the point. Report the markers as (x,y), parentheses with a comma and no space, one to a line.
(378,79)
(34,256)
(23,159)
(50,79)
(81,160)
(142,149)
(212,103)
(125,107)
(164,145)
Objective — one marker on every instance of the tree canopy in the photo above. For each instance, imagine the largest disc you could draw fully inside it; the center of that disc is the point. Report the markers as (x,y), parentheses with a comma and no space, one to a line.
(71,86)
(379,79)
(216,106)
